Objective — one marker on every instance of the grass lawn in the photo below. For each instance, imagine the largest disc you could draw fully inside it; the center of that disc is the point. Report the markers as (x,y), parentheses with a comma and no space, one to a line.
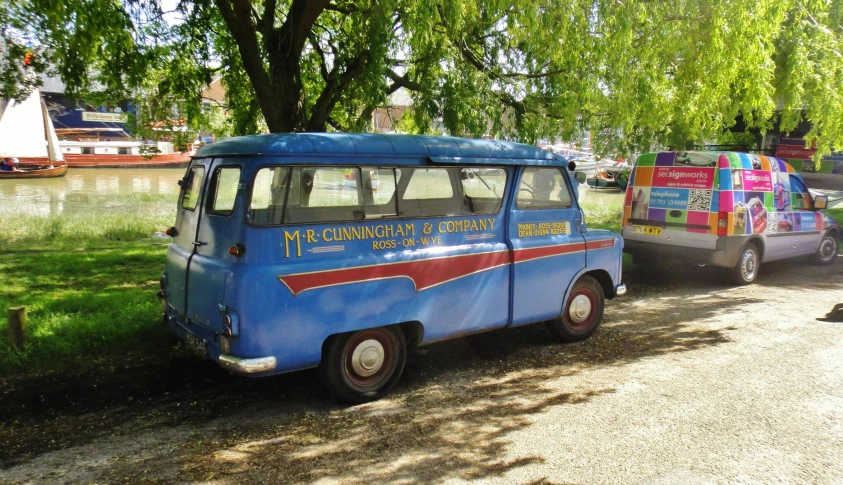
(85,302)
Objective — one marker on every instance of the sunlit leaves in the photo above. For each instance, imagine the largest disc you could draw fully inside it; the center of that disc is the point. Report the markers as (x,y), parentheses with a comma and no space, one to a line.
(634,74)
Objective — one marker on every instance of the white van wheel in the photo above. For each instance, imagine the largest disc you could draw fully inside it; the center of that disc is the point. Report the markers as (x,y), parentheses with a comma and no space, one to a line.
(746,270)
(828,249)
(362,366)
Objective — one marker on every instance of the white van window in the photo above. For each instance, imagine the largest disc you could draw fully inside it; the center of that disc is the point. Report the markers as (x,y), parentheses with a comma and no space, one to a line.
(801,196)
(224,187)
(268,191)
(543,188)
(483,189)
(192,185)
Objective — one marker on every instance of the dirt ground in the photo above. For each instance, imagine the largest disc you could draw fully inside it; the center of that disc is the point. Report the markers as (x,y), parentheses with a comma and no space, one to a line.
(689,380)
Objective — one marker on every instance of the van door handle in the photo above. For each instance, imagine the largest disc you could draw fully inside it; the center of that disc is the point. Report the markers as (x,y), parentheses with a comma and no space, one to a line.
(199,243)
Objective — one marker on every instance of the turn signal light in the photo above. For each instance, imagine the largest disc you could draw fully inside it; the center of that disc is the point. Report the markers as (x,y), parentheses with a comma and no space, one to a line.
(171,231)
(237,250)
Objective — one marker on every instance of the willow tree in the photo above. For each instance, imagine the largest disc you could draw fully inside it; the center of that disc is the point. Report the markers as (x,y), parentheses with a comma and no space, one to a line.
(637,73)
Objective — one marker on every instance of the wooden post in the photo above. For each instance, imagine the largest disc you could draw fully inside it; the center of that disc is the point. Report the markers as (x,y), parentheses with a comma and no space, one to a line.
(17,326)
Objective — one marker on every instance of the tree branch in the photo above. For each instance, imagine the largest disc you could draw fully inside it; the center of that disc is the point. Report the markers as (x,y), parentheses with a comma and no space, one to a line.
(401,82)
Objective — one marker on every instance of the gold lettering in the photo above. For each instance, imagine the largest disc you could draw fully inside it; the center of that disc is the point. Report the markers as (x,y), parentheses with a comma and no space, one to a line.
(325,233)
(370,232)
(474,225)
(310,236)
(399,231)
(491,224)
(292,237)
(379,231)
(440,227)
(357,232)
(346,234)
(410,229)
(482,224)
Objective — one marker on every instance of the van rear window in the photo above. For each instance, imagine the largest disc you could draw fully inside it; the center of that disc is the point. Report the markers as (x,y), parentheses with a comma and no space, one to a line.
(192,185)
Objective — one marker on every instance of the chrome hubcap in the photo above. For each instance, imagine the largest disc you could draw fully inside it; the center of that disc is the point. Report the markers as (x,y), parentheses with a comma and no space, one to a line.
(827,248)
(749,265)
(580,308)
(367,358)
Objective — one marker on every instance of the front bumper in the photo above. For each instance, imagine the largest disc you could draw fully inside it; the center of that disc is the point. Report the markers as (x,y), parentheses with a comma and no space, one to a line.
(620,290)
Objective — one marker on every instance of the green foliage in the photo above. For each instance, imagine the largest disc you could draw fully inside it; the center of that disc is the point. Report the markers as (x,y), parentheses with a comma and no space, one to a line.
(635,74)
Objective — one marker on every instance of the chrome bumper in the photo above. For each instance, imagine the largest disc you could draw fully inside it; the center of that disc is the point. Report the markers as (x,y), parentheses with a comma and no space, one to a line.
(620,290)
(247,366)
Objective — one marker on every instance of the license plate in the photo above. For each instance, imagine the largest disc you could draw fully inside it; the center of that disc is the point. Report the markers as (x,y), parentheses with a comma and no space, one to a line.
(199,345)
(648,230)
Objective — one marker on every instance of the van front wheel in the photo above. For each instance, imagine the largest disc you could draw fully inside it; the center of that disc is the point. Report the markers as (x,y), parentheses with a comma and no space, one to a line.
(362,366)
(746,270)
(828,250)
(582,313)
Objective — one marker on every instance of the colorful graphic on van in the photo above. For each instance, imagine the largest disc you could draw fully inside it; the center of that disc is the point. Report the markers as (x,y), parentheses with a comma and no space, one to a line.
(692,178)
(757,215)
(753,190)
(756,180)
(781,191)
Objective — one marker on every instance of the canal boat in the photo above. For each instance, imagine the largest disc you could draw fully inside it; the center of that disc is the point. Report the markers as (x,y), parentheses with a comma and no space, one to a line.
(26,131)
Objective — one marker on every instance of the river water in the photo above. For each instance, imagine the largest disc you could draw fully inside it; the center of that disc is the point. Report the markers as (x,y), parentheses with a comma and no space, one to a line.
(92,190)
(110,191)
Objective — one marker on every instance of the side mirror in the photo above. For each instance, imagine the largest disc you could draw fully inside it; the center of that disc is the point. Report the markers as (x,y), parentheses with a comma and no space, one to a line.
(581,177)
(820,202)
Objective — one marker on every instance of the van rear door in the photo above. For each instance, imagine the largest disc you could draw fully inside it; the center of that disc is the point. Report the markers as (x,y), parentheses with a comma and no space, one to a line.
(187,223)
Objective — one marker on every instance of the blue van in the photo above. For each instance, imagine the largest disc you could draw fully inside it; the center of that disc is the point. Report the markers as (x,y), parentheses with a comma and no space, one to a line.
(292,251)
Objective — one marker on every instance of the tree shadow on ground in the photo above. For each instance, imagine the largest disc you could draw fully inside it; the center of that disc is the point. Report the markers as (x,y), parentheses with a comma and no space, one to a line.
(449,417)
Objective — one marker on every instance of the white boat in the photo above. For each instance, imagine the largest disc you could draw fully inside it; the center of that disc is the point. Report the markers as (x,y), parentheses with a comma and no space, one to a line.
(26,131)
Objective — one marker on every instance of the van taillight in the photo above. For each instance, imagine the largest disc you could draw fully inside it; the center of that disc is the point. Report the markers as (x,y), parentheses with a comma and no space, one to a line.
(722,223)
(171,231)
(237,250)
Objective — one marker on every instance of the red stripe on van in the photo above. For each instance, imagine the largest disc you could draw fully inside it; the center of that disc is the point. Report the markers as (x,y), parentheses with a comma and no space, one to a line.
(601,244)
(521,255)
(424,273)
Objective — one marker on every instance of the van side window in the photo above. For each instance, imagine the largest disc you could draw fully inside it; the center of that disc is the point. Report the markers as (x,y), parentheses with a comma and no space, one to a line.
(483,189)
(324,194)
(427,192)
(192,185)
(268,192)
(800,195)
(379,191)
(224,185)
(543,188)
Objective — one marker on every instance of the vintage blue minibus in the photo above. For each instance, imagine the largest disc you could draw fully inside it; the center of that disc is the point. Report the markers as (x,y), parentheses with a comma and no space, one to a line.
(292,251)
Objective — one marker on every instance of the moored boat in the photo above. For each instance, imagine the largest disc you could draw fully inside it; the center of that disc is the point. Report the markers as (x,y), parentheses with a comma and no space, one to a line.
(26,131)
(35,173)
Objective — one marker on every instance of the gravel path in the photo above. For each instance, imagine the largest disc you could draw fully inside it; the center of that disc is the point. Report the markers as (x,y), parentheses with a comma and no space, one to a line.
(686,382)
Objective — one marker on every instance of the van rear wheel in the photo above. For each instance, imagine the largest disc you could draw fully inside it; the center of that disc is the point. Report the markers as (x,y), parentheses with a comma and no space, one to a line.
(582,314)
(362,366)
(746,269)
(827,252)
